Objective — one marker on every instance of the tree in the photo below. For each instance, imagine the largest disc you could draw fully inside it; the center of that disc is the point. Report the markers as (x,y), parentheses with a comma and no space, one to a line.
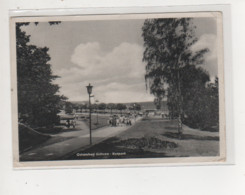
(76,106)
(85,106)
(171,103)
(68,107)
(168,45)
(121,107)
(94,106)
(194,93)
(158,90)
(208,107)
(38,101)
(158,103)
(102,106)
(135,106)
(213,105)
(111,106)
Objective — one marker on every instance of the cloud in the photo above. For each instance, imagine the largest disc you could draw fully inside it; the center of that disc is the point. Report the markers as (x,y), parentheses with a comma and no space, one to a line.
(95,64)
(208,41)
(120,92)
(87,55)
(117,75)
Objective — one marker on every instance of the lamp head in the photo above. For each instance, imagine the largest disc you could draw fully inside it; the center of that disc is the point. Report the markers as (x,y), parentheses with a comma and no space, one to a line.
(89,88)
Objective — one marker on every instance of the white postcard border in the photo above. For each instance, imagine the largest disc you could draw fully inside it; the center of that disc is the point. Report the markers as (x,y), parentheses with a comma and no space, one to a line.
(122,162)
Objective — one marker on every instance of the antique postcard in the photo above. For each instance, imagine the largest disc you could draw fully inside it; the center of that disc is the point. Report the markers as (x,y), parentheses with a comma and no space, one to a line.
(123,89)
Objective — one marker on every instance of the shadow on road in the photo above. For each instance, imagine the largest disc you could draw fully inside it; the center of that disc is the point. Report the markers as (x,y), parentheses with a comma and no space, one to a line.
(189,137)
(171,128)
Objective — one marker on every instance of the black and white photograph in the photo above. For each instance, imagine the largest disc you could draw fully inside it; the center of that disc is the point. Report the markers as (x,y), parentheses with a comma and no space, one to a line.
(111,89)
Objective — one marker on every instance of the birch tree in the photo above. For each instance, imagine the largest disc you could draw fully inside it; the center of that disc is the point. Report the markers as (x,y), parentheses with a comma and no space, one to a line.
(168,49)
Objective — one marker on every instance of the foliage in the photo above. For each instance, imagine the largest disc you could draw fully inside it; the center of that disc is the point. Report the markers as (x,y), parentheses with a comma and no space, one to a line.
(121,107)
(158,103)
(206,103)
(69,107)
(158,90)
(167,48)
(111,106)
(171,103)
(29,138)
(102,106)
(38,102)
(172,65)
(84,106)
(135,106)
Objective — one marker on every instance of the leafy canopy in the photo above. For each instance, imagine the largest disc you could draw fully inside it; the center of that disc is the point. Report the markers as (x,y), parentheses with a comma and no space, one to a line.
(38,101)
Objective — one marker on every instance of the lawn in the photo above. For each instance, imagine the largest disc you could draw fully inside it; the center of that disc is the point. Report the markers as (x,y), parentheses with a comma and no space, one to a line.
(32,138)
(157,138)
(29,138)
(102,121)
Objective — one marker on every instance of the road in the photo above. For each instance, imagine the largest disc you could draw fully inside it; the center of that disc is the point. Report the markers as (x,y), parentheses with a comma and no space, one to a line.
(73,141)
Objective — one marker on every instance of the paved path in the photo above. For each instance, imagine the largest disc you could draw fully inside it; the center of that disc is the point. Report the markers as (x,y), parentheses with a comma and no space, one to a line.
(81,129)
(80,139)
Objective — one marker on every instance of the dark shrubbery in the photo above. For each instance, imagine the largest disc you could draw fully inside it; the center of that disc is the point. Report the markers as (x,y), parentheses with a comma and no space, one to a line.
(201,109)
(38,101)
(200,100)
(147,143)
(29,138)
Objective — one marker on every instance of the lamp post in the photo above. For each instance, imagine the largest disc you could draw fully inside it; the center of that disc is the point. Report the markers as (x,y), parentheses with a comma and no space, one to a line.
(89,90)
(97,101)
(134,113)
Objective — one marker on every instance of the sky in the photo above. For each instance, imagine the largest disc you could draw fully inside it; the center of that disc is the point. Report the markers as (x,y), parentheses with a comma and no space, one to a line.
(108,54)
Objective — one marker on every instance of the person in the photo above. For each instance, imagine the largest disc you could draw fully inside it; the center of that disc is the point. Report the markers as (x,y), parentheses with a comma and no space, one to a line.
(129,122)
(121,120)
(73,123)
(163,115)
(114,122)
(68,123)
(110,121)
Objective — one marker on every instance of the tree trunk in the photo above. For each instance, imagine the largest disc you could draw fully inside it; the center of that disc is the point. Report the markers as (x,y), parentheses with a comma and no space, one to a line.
(180,129)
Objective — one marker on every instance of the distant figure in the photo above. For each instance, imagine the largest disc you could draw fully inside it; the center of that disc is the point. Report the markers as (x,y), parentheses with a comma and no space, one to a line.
(130,122)
(114,122)
(109,121)
(74,124)
(68,123)
(121,120)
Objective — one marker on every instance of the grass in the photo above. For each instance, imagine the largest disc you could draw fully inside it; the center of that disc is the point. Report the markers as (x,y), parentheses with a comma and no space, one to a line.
(29,138)
(50,130)
(102,121)
(157,138)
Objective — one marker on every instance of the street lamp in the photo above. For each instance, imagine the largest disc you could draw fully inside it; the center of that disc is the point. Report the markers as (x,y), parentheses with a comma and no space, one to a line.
(89,90)
(134,113)
(97,102)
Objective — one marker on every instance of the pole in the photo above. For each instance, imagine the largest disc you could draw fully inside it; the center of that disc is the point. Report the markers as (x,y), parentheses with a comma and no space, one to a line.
(134,114)
(97,117)
(90,121)
(180,130)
